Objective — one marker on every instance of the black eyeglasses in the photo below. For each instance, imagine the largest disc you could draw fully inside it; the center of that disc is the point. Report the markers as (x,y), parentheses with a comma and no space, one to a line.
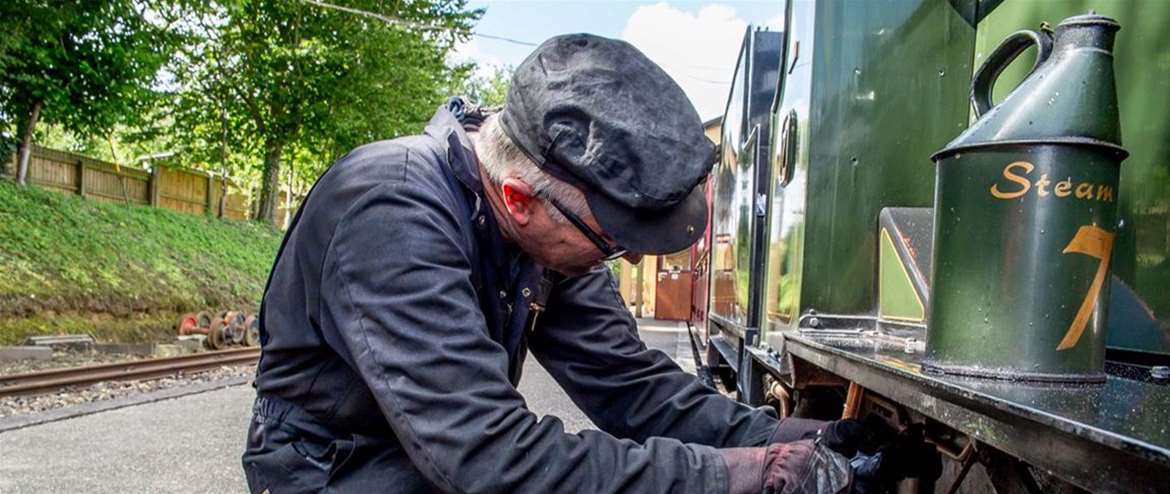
(610,251)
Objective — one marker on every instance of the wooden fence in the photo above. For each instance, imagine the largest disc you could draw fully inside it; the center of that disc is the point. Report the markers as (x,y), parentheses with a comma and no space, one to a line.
(187,191)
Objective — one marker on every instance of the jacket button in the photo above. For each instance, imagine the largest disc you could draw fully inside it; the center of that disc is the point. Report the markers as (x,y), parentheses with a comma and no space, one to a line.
(503,294)
(526,292)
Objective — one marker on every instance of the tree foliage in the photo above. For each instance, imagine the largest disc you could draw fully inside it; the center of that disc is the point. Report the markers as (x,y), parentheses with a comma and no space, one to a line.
(490,89)
(83,65)
(268,91)
(299,84)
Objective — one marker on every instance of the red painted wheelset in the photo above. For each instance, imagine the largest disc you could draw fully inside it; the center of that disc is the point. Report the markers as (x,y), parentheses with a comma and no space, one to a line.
(224,329)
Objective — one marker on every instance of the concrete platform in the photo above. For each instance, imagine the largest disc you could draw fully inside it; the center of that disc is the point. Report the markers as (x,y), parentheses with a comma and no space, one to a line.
(25,352)
(193,443)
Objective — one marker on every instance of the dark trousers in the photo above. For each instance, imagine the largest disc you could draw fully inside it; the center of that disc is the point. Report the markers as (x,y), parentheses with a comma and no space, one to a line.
(290,451)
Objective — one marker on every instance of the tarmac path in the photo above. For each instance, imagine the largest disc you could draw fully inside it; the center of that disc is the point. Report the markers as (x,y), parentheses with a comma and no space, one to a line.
(193,443)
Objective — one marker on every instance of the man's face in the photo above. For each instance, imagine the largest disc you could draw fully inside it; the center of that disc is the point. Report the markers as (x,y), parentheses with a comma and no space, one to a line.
(559,246)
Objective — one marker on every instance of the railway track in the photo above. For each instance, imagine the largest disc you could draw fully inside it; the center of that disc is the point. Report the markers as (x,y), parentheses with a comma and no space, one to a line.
(49,380)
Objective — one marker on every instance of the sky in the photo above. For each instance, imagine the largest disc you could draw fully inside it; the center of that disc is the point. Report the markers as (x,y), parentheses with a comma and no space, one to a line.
(695,42)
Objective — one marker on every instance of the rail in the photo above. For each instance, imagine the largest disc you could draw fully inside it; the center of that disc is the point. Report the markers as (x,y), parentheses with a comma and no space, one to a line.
(49,380)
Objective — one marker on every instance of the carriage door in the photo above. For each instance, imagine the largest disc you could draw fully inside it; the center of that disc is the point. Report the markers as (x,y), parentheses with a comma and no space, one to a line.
(672,290)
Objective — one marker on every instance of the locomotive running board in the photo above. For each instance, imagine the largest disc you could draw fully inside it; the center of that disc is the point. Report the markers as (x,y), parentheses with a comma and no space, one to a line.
(1063,429)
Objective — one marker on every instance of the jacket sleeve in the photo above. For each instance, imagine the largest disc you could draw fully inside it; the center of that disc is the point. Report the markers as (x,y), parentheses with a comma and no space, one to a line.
(588,342)
(397,283)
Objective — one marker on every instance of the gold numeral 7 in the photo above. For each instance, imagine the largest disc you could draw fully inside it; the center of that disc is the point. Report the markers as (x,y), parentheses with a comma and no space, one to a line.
(1092,241)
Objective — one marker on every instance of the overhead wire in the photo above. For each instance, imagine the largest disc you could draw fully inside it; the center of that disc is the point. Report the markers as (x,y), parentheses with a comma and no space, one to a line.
(409,24)
(426,27)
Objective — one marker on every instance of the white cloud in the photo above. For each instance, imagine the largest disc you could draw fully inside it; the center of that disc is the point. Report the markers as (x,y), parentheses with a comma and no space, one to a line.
(469,51)
(697,50)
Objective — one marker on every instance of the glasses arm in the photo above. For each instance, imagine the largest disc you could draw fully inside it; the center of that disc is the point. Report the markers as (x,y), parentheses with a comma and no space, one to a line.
(610,252)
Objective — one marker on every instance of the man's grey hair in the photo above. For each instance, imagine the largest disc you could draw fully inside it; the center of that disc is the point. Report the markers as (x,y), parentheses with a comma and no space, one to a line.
(503,159)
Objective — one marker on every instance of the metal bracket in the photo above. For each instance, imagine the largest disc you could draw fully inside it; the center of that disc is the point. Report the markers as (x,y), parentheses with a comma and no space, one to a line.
(751,336)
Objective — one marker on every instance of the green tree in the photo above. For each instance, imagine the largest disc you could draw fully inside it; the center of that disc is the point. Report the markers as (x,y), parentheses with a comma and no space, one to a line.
(85,65)
(489,89)
(298,83)
(197,122)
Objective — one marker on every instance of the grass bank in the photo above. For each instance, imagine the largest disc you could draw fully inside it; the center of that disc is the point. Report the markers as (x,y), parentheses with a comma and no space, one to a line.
(69,265)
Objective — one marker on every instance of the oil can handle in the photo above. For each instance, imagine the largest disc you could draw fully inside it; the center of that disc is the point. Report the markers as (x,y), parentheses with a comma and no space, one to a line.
(1000,58)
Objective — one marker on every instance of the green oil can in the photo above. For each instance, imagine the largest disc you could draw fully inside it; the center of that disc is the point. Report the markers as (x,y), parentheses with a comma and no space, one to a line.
(1025,213)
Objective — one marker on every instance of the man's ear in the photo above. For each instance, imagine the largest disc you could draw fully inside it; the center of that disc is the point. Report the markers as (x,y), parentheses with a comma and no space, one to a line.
(520,200)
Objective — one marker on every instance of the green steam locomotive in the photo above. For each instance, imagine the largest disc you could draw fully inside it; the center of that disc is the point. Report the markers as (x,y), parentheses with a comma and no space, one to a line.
(998,272)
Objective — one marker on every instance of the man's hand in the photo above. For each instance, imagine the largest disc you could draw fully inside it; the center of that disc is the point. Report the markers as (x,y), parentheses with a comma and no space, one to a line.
(787,468)
(881,456)
(784,466)
(846,437)
(878,455)
(850,437)
(908,455)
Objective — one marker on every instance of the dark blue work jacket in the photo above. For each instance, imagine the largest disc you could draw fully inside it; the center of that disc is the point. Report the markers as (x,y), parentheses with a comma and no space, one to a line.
(393,332)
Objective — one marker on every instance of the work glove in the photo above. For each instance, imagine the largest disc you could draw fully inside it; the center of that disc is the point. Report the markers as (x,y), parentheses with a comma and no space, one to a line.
(846,436)
(850,437)
(906,455)
(787,468)
(879,455)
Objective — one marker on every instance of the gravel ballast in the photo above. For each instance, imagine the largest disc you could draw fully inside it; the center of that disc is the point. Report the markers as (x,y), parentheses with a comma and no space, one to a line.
(63,359)
(22,405)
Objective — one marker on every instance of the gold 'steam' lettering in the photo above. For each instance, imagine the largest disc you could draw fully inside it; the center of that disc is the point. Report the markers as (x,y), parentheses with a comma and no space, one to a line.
(1017,171)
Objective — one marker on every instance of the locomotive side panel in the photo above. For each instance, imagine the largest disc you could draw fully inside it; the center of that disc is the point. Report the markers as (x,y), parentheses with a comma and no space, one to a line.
(889,88)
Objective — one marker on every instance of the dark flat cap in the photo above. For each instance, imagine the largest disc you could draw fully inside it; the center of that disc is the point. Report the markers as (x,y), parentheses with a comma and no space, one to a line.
(595,112)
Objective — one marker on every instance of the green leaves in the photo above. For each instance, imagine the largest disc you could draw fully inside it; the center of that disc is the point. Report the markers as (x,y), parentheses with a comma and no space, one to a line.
(91,63)
(311,81)
(221,84)
(490,89)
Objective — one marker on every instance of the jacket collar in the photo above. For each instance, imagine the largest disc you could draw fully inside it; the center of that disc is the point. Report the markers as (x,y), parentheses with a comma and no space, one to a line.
(445,128)
(461,160)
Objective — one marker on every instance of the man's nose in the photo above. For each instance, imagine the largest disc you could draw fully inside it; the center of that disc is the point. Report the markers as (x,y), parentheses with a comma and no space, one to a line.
(633,258)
